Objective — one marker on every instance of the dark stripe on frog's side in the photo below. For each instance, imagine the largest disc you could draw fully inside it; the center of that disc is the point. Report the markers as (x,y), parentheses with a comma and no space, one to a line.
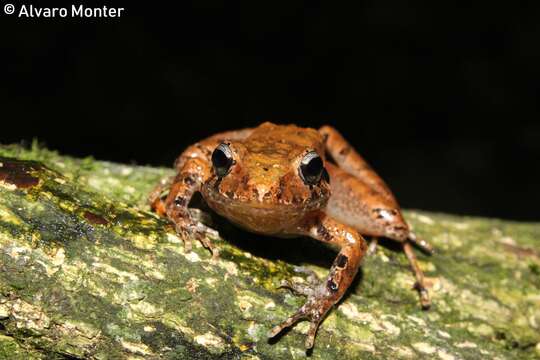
(341,261)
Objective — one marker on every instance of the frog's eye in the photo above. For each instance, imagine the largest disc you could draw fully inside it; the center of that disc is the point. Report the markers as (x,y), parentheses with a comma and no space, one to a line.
(222,160)
(311,168)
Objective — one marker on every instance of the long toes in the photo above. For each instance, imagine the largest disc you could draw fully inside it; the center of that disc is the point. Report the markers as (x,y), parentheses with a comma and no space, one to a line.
(421,243)
(207,243)
(310,339)
(213,250)
(425,300)
(188,245)
(287,323)
(215,253)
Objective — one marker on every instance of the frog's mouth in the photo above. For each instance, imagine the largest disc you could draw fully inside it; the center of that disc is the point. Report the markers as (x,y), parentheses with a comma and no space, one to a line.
(221,200)
(269,218)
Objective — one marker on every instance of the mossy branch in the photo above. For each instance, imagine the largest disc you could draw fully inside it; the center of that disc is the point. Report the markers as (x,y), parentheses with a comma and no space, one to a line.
(86,271)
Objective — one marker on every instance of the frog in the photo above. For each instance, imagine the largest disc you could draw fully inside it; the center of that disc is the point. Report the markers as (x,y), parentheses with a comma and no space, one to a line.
(283,180)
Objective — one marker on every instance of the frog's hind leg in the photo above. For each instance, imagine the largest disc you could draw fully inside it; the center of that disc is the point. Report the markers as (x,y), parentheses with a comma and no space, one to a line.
(349,160)
(305,289)
(357,204)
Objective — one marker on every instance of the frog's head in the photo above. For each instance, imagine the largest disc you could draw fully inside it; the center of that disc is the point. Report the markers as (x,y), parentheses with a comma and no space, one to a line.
(278,168)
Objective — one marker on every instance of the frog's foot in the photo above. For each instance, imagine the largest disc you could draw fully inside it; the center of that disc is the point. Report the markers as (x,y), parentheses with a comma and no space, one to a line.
(419,285)
(425,300)
(421,243)
(297,287)
(305,287)
(313,310)
(188,230)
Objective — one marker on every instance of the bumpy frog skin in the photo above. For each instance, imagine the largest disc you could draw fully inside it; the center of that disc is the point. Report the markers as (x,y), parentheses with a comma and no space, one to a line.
(274,180)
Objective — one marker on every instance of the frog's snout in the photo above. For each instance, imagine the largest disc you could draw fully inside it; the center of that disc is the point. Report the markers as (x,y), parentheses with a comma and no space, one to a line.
(262,191)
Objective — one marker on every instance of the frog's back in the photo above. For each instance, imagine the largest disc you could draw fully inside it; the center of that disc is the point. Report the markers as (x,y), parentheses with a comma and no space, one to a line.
(269,138)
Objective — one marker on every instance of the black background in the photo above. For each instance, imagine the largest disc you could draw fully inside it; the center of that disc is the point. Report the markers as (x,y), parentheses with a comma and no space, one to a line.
(441,99)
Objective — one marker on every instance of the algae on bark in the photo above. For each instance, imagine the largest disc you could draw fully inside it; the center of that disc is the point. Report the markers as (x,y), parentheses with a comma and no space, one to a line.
(87,271)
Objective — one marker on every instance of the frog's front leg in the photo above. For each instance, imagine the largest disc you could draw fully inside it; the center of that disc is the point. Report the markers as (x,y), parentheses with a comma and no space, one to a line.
(328,292)
(193,170)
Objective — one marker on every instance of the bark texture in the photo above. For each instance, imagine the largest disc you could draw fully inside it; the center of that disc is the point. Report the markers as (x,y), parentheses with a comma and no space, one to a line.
(86,271)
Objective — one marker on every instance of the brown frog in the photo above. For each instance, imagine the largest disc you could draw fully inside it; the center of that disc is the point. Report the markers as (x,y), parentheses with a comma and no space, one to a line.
(275,180)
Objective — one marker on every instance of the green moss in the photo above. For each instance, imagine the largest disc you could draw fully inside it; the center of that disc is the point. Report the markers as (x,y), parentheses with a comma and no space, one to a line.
(11,349)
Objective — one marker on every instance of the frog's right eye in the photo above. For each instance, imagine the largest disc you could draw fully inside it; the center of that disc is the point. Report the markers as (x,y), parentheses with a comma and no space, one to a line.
(312,168)
(222,160)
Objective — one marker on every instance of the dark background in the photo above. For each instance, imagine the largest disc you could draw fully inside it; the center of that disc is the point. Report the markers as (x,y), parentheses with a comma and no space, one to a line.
(441,99)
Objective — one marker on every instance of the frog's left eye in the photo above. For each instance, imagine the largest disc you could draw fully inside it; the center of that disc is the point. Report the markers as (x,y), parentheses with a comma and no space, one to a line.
(311,168)
(222,160)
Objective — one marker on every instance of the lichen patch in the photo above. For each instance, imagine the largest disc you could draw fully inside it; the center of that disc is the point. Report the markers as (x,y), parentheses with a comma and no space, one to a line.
(210,340)
(390,328)
(424,348)
(443,334)
(481,329)
(466,345)
(351,311)
(443,355)
(121,275)
(136,348)
(193,257)
(403,352)
(28,316)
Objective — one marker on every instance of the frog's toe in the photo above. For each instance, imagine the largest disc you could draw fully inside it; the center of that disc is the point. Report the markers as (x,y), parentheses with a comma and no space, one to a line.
(425,300)
(188,244)
(186,237)
(421,243)
(310,311)
(287,323)
(188,231)
(310,339)
(207,243)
